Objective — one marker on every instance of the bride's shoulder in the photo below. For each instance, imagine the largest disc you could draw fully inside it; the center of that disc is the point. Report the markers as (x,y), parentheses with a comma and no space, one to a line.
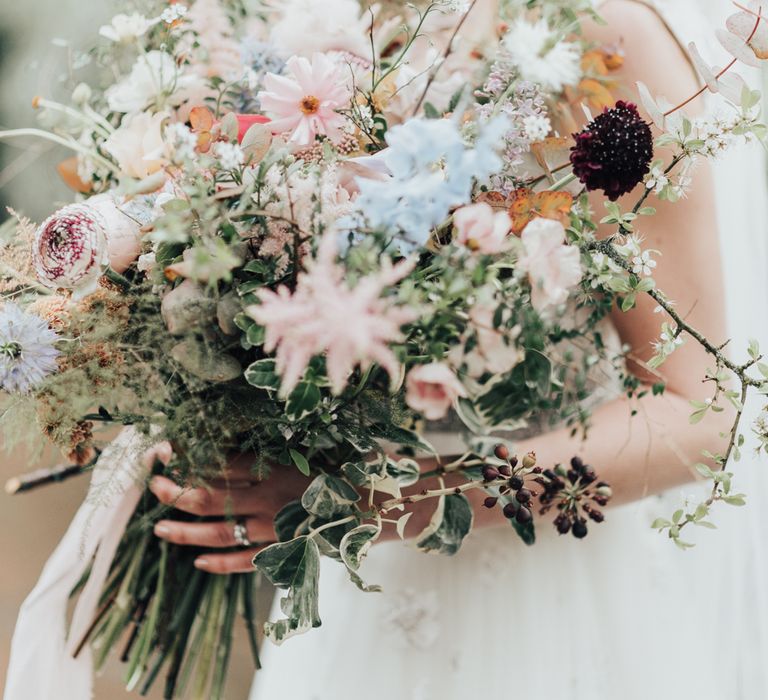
(654,54)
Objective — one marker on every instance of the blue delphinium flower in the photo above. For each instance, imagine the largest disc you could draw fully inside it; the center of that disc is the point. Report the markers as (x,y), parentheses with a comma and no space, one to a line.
(432,171)
(27,350)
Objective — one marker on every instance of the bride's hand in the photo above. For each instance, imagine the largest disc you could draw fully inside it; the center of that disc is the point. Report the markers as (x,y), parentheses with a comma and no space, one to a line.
(239,496)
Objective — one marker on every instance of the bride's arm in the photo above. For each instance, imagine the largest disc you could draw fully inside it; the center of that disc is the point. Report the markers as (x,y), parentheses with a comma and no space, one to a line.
(638,455)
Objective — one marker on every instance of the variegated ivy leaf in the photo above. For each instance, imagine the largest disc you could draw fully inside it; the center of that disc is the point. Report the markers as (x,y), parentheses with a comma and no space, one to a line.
(356,544)
(354,548)
(384,475)
(328,495)
(295,566)
(450,524)
(262,374)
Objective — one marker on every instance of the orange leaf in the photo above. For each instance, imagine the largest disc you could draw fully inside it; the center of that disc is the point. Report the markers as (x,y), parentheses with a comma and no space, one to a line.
(597,95)
(67,170)
(201,119)
(593,63)
(527,205)
(497,200)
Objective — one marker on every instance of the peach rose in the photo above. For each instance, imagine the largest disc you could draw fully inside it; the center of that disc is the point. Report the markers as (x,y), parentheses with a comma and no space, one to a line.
(481,229)
(553,267)
(432,389)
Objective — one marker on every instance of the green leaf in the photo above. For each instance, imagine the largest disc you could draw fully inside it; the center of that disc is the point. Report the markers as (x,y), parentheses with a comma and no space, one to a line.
(737,500)
(328,496)
(303,400)
(430,111)
(660,524)
(262,374)
(291,521)
(356,544)
(295,566)
(754,349)
(300,461)
(450,524)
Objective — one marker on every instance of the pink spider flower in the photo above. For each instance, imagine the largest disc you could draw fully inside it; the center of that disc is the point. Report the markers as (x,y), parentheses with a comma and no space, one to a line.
(304,103)
(352,326)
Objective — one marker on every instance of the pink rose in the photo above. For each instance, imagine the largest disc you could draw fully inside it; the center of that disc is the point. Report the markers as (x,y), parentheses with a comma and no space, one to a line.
(432,389)
(74,246)
(481,229)
(553,267)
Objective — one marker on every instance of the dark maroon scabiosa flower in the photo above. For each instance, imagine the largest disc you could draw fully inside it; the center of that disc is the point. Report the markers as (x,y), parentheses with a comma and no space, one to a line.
(614,152)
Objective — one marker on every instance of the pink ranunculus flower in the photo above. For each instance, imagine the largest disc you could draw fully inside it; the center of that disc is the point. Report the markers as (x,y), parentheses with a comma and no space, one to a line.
(74,246)
(481,229)
(305,102)
(432,389)
(553,267)
(352,326)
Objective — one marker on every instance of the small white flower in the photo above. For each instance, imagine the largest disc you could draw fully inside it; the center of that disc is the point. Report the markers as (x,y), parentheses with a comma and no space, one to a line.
(126,28)
(537,127)
(174,13)
(181,141)
(230,155)
(657,180)
(643,264)
(540,58)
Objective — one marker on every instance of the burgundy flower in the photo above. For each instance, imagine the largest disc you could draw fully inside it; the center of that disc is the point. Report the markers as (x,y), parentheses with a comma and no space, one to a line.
(614,152)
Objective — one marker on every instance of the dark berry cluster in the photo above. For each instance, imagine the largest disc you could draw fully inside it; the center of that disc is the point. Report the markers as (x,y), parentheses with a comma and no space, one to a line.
(574,492)
(614,152)
(510,477)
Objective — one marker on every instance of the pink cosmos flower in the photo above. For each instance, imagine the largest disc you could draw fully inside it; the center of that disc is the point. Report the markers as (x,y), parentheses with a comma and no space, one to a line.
(351,326)
(481,229)
(553,267)
(432,389)
(304,103)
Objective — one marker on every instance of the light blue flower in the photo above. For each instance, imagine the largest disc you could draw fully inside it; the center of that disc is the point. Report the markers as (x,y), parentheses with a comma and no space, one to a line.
(433,170)
(27,350)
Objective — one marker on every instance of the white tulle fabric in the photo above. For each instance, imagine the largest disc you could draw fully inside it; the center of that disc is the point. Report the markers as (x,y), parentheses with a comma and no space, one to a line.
(623,614)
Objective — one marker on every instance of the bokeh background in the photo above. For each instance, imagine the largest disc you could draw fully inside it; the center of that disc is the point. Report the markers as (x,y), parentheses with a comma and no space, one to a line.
(38,42)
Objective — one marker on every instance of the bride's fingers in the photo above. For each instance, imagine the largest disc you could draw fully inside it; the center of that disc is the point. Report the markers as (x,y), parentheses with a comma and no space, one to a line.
(230,563)
(216,534)
(241,501)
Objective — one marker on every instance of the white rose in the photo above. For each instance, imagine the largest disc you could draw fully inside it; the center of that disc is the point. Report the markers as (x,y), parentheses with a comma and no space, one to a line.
(126,28)
(138,144)
(154,74)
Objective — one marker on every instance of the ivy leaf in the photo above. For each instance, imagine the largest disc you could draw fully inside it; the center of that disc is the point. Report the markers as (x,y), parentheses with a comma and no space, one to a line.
(294,566)
(303,400)
(353,549)
(328,496)
(450,524)
(291,521)
(262,374)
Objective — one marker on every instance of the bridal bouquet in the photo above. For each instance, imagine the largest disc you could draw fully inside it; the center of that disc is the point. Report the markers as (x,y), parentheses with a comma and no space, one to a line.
(304,230)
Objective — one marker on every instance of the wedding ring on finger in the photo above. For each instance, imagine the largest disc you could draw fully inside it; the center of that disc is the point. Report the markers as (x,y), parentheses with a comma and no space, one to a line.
(240,532)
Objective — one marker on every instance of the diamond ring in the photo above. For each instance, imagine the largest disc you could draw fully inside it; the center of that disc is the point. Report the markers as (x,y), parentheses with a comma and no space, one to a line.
(241,534)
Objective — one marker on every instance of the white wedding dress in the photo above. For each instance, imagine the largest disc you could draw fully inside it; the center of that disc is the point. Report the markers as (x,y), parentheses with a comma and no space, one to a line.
(622,614)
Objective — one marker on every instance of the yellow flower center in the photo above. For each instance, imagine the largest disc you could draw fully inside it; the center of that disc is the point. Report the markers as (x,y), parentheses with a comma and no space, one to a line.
(310,105)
